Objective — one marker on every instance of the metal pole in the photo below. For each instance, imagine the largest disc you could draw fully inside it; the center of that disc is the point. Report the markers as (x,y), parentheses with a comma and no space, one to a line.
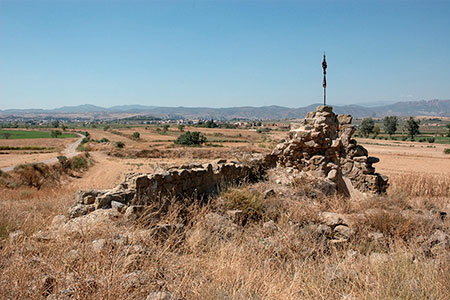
(324,83)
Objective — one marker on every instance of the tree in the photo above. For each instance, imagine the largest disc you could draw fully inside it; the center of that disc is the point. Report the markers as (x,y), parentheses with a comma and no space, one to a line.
(412,126)
(55,124)
(366,126)
(165,128)
(181,127)
(55,133)
(211,124)
(376,130)
(191,138)
(390,125)
(136,135)
(448,127)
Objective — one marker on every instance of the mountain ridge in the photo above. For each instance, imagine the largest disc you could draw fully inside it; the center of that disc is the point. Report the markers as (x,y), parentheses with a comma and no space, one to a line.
(435,107)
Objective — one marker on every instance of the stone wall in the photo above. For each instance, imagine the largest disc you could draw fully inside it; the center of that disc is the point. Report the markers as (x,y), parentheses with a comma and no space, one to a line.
(189,181)
(323,146)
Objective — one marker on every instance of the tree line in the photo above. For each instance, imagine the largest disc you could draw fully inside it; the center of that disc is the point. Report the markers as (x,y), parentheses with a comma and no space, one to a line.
(390,123)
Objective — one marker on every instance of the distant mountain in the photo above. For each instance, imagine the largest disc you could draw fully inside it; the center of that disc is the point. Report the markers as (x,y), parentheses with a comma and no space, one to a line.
(130,108)
(439,108)
(85,108)
(416,108)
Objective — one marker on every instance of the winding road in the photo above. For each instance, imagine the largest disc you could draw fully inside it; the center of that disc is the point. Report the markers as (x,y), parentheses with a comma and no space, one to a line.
(70,151)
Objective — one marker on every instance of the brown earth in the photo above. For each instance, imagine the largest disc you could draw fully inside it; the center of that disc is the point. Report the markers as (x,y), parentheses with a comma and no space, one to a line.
(408,157)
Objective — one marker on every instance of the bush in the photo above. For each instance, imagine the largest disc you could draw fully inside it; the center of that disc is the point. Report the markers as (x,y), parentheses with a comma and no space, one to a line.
(136,135)
(262,130)
(120,144)
(55,133)
(447,150)
(63,161)
(103,140)
(78,162)
(250,203)
(431,140)
(191,138)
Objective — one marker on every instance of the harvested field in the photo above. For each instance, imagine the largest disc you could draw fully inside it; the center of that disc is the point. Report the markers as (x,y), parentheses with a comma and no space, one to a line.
(409,157)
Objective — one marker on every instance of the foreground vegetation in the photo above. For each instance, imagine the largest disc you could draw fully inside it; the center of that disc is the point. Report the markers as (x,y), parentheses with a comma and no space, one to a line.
(275,254)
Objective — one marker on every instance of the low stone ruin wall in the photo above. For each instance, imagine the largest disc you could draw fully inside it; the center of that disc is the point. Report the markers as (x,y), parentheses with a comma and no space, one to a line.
(189,181)
(321,147)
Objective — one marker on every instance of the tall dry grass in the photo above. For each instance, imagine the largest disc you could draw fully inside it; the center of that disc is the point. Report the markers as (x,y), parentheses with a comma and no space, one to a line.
(249,262)
(418,185)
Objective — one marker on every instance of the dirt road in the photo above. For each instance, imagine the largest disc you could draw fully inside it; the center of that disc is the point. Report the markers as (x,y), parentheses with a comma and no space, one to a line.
(70,151)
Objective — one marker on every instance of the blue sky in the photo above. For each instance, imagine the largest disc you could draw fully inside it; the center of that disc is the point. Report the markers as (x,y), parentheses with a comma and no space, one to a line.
(221,53)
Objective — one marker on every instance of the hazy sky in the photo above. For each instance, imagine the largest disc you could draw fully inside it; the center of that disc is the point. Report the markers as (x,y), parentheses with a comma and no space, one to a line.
(221,53)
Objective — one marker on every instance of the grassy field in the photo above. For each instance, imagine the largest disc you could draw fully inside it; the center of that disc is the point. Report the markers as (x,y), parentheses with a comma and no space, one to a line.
(30,134)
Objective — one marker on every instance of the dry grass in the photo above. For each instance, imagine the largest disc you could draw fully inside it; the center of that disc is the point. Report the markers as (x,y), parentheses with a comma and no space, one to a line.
(247,262)
(421,185)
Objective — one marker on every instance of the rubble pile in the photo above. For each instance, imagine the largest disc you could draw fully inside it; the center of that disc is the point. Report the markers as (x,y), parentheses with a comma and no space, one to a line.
(323,146)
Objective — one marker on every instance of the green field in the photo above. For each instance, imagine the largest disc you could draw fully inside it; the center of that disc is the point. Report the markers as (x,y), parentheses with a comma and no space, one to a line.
(30,134)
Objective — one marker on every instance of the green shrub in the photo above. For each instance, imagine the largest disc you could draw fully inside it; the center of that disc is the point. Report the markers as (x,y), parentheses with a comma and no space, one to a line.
(120,144)
(136,135)
(78,162)
(191,139)
(431,140)
(250,203)
(263,130)
(447,150)
(55,133)
(103,140)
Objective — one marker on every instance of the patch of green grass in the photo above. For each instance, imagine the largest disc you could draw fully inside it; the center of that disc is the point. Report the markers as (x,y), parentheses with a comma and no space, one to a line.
(30,134)
(25,148)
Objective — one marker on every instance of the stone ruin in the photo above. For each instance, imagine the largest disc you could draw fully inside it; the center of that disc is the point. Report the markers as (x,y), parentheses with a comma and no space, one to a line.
(321,147)
(188,181)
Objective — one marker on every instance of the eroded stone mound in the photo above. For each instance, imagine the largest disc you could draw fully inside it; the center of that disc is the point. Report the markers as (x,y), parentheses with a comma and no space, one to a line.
(323,146)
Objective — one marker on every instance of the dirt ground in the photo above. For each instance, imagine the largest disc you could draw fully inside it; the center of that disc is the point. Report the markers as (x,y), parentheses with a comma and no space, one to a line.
(408,157)
(16,157)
